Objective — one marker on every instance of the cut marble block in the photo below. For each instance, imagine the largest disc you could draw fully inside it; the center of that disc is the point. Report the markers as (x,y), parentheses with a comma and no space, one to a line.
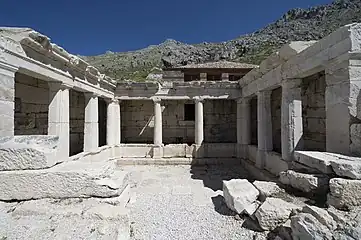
(66,180)
(28,152)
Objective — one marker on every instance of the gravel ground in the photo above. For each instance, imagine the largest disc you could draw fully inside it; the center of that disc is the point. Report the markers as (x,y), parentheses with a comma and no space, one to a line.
(182,202)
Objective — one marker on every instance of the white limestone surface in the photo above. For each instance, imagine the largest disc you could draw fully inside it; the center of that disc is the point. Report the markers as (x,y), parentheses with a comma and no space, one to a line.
(66,180)
(308,183)
(274,212)
(239,194)
(28,152)
(72,219)
(344,193)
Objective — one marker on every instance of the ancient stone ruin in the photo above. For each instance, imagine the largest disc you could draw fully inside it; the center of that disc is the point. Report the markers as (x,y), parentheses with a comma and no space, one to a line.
(293,122)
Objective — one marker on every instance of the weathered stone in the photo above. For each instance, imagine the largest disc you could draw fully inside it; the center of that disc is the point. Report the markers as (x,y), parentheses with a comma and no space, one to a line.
(274,212)
(321,215)
(344,193)
(317,160)
(239,194)
(28,152)
(65,219)
(266,189)
(307,227)
(66,180)
(348,168)
(252,208)
(308,183)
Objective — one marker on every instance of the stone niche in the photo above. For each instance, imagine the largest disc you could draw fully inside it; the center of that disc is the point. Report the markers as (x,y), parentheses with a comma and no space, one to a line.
(276,102)
(31,105)
(254,124)
(77,116)
(314,112)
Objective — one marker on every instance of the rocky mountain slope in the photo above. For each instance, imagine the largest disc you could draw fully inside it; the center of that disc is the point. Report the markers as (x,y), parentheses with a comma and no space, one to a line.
(296,25)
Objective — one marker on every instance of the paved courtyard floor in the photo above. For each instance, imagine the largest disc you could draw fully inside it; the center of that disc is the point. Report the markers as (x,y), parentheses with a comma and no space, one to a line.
(183,202)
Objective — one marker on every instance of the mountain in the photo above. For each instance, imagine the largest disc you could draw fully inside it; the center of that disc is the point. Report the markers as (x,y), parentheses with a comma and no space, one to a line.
(296,25)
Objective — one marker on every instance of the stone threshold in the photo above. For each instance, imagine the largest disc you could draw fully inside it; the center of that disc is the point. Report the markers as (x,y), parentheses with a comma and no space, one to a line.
(177,161)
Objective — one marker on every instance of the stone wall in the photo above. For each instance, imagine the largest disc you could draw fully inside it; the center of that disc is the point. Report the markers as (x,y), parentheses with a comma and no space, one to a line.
(276,101)
(175,128)
(77,115)
(254,123)
(137,121)
(220,121)
(314,112)
(31,105)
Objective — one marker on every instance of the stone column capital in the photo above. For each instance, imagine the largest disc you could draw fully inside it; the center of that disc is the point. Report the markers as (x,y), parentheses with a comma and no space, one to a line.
(156,99)
(198,99)
(243,100)
(91,94)
(112,101)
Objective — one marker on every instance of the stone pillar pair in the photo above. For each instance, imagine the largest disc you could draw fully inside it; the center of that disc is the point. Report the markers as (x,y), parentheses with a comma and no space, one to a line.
(199,132)
(91,126)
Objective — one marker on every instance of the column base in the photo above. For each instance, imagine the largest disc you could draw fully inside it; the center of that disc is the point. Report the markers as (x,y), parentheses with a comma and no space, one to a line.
(157,152)
(242,151)
(261,159)
(198,151)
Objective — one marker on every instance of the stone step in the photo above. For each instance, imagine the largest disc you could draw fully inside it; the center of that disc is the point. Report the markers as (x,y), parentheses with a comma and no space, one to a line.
(28,152)
(64,219)
(176,161)
(76,179)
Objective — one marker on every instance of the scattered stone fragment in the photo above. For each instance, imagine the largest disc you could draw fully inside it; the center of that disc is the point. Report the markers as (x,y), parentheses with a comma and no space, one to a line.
(316,160)
(266,189)
(66,180)
(337,215)
(347,168)
(274,212)
(344,193)
(321,215)
(252,208)
(28,152)
(307,227)
(239,194)
(308,183)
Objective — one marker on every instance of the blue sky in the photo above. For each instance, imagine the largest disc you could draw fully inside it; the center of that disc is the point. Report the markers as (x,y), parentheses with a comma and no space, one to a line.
(92,27)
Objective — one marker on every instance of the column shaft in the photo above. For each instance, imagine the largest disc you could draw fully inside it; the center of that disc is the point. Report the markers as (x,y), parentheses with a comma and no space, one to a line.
(58,117)
(199,131)
(91,125)
(243,126)
(157,122)
(110,123)
(291,118)
(118,123)
(7,106)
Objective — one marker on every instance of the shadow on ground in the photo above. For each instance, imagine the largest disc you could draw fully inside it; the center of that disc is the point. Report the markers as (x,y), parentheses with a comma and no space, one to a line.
(213,175)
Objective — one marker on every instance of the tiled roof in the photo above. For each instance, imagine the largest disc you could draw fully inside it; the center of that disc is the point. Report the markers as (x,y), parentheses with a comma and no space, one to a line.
(220,64)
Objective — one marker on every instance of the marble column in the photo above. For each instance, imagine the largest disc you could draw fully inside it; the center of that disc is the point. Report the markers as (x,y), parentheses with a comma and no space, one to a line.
(264,121)
(243,127)
(291,118)
(199,124)
(158,135)
(91,125)
(59,116)
(117,122)
(7,96)
(113,123)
